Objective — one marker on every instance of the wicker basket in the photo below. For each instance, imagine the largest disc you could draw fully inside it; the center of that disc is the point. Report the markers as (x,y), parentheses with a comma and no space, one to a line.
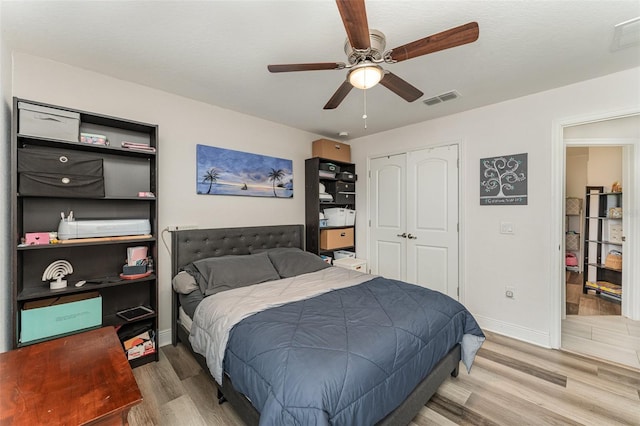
(573,206)
(613,261)
(572,242)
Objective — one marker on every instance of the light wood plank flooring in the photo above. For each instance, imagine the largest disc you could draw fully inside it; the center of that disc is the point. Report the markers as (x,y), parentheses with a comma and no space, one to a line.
(511,383)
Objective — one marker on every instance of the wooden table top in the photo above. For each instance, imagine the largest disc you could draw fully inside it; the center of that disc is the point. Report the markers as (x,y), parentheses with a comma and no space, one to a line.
(67,381)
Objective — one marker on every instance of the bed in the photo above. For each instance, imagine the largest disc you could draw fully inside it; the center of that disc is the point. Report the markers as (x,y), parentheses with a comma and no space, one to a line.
(266,383)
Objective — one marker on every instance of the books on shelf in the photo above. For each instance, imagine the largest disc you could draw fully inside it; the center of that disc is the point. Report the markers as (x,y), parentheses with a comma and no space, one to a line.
(135,146)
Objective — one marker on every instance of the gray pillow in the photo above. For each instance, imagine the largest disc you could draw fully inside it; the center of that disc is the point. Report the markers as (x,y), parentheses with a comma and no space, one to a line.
(184,283)
(290,262)
(216,274)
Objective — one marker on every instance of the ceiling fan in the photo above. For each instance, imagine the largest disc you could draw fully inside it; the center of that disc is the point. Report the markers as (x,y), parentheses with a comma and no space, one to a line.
(365,50)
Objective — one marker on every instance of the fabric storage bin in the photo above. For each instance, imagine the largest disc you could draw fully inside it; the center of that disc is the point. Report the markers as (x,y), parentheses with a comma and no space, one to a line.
(573,206)
(345,197)
(54,185)
(341,254)
(346,176)
(331,150)
(336,238)
(53,123)
(572,241)
(58,161)
(351,263)
(329,167)
(59,173)
(60,315)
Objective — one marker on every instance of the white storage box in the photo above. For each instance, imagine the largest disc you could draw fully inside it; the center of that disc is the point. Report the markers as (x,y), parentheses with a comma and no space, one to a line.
(336,216)
(341,254)
(350,217)
(53,123)
(351,263)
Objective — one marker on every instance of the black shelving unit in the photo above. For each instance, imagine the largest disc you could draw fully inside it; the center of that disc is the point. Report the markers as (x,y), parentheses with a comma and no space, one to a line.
(313,204)
(127,172)
(606,280)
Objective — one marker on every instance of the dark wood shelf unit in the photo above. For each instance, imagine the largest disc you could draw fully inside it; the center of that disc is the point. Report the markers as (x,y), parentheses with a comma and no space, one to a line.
(313,204)
(83,244)
(127,172)
(596,247)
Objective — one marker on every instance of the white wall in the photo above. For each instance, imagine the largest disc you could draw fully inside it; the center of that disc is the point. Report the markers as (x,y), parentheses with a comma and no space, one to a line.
(604,166)
(490,261)
(5,203)
(576,172)
(183,123)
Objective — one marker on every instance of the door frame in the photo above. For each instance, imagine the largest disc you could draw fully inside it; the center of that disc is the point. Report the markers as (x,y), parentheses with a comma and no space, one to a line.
(631,174)
(461,207)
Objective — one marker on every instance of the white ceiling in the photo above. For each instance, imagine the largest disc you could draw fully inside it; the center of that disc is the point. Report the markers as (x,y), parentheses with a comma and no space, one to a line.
(217,52)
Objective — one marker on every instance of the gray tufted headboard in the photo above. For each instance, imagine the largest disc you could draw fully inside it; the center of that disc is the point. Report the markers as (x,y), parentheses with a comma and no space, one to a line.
(194,244)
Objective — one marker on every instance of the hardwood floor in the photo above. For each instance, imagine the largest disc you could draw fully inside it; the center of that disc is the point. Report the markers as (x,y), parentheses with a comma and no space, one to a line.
(594,327)
(511,383)
(586,304)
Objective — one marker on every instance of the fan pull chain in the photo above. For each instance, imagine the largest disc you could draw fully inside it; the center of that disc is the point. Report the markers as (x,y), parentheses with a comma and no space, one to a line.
(364,116)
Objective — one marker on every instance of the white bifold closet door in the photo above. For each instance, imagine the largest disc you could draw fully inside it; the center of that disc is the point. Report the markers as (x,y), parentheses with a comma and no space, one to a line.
(414,218)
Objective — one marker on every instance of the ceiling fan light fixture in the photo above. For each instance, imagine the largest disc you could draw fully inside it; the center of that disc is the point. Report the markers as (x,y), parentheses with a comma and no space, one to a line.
(365,75)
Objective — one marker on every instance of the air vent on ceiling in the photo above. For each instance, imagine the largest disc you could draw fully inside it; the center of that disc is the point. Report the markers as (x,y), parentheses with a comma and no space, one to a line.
(626,34)
(442,98)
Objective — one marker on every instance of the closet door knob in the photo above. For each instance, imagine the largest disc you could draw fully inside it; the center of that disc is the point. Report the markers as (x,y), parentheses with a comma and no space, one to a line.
(403,235)
(412,237)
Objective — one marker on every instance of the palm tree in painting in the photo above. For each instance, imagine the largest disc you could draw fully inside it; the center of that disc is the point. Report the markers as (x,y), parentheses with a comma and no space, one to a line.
(211,176)
(275,176)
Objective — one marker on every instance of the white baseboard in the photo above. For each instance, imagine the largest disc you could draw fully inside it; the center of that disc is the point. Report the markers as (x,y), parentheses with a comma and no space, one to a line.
(525,334)
(164,337)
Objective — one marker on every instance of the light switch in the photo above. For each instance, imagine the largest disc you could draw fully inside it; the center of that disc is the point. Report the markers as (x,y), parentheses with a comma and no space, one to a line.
(506,227)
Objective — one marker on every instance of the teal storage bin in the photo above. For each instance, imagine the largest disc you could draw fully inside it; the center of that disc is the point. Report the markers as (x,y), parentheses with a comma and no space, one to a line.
(60,315)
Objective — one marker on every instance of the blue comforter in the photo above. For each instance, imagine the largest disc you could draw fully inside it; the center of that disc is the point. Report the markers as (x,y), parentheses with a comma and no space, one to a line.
(347,357)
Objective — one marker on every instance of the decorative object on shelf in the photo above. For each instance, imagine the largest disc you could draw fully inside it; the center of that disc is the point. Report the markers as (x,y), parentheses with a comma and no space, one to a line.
(571,259)
(56,271)
(616,187)
(503,180)
(615,213)
(94,139)
(36,238)
(223,171)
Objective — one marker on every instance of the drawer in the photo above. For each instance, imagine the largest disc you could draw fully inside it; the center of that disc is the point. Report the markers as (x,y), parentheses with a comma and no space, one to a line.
(345,187)
(57,161)
(59,185)
(336,238)
(345,198)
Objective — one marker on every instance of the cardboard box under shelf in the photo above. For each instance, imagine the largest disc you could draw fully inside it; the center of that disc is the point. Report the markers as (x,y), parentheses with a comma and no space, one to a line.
(60,315)
(331,150)
(336,238)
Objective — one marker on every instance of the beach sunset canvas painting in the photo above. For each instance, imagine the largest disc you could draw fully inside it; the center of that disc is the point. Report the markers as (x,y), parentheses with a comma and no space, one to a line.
(223,171)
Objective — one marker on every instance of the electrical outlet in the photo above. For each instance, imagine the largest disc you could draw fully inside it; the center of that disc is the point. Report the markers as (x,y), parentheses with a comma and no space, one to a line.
(510,292)
(172,228)
(506,228)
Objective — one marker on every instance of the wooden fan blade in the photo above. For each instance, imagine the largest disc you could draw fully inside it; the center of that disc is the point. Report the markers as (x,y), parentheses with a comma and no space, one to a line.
(339,96)
(467,33)
(306,67)
(354,18)
(400,87)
